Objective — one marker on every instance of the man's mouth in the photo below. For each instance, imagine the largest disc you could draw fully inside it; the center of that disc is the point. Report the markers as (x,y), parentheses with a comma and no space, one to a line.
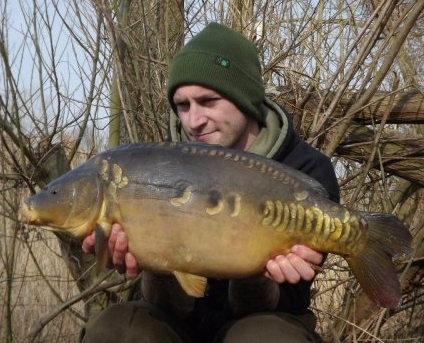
(202,136)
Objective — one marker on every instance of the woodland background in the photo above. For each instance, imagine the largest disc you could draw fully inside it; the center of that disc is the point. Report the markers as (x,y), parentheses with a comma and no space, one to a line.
(79,76)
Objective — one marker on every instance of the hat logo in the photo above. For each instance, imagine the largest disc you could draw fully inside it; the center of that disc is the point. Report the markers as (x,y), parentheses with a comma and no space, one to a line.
(223,62)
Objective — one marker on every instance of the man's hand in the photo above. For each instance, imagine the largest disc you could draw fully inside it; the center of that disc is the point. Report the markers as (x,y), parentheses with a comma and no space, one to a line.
(123,260)
(295,266)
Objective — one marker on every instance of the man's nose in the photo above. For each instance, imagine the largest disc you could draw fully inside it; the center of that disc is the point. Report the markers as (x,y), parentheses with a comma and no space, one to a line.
(196,117)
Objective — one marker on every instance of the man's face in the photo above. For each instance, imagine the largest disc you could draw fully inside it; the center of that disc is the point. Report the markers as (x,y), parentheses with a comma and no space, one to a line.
(210,118)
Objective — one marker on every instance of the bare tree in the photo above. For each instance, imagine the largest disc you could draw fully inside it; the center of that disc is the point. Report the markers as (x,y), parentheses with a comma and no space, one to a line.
(54,79)
(350,72)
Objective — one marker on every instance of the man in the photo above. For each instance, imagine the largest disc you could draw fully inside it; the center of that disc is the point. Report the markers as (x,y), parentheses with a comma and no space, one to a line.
(217,96)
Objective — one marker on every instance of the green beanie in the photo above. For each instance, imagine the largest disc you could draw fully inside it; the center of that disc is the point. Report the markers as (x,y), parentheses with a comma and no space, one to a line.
(224,60)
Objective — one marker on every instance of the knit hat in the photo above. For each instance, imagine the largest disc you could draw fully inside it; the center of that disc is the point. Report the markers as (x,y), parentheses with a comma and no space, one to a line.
(224,60)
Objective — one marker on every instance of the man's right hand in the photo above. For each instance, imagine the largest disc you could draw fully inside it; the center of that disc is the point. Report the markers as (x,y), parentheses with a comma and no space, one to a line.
(120,257)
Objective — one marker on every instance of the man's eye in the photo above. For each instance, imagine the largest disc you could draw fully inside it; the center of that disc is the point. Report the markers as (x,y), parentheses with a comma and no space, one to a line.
(182,106)
(210,101)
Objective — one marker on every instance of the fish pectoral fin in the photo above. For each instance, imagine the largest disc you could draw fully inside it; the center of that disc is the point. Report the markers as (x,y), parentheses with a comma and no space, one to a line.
(100,248)
(193,285)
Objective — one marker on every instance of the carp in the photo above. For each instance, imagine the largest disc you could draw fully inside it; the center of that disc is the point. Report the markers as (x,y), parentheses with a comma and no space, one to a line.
(202,211)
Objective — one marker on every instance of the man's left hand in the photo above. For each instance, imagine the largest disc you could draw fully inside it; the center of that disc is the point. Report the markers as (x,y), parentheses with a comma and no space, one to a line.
(295,266)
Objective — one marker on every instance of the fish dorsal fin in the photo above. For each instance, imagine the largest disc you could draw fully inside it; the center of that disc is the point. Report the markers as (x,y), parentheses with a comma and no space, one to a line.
(193,285)
(100,247)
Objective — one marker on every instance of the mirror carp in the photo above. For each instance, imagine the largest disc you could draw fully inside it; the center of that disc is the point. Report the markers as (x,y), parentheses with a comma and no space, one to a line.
(202,211)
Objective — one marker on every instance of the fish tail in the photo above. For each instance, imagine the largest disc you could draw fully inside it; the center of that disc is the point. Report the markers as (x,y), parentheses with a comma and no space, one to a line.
(373,266)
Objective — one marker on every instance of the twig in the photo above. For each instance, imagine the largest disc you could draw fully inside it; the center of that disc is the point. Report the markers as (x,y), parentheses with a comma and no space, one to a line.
(98,287)
(350,323)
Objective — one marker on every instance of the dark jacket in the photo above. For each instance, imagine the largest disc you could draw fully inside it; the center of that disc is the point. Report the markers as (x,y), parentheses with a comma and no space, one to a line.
(280,142)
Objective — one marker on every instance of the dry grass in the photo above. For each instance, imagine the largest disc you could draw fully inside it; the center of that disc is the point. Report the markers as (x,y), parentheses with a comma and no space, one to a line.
(31,296)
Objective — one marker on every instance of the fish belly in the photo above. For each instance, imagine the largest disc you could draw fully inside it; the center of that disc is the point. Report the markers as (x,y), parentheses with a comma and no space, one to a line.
(165,239)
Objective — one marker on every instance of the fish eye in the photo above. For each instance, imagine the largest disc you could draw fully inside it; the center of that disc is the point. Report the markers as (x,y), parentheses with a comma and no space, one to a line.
(53,191)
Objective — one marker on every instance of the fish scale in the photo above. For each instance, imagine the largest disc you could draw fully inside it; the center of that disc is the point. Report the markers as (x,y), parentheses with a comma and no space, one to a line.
(200,211)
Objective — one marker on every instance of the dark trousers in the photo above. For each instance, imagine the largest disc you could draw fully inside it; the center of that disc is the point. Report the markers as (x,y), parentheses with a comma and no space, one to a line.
(139,322)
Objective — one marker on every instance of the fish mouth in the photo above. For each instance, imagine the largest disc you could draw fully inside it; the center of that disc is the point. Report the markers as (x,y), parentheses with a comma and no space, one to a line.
(28,214)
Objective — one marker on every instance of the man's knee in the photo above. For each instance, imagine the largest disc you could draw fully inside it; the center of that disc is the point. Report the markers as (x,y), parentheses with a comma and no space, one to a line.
(129,322)
(269,328)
